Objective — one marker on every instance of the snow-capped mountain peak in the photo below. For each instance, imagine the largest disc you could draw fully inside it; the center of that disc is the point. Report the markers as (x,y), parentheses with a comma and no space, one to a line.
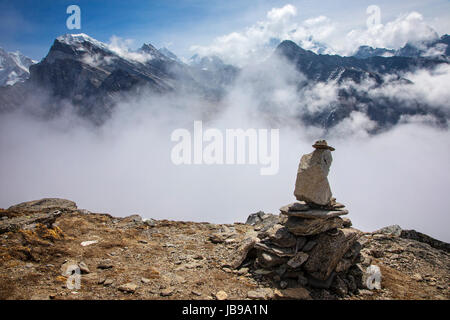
(78,39)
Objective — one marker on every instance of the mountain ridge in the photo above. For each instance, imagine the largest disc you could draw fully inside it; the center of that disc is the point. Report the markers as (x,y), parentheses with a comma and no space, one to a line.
(93,77)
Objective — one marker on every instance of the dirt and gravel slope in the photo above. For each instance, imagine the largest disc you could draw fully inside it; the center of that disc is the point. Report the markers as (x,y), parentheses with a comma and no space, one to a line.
(128,258)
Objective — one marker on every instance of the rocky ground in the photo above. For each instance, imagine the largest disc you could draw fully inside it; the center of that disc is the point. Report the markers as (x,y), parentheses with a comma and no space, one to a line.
(129,258)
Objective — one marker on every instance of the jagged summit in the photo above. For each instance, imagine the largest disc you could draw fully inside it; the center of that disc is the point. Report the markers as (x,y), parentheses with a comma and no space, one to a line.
(77,39)
(169,54)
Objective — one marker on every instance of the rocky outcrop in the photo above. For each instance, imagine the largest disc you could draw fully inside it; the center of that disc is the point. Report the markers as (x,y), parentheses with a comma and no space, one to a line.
(44,205)
(28,215)
(418,236)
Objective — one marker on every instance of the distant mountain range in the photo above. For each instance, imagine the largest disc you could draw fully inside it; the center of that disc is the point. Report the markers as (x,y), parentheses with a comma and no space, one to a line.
(93,77)
(385,111)
(14,67)
(438,48)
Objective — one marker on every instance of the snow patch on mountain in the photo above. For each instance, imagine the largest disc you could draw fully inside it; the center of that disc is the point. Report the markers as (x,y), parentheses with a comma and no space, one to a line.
(14,67)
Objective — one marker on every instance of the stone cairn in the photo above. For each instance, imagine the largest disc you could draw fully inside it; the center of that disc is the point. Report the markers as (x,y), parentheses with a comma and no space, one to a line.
(308,244)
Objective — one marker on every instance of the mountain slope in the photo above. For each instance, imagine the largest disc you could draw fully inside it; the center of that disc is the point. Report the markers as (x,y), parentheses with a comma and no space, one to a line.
(93,77)
(348,74)
(14,67)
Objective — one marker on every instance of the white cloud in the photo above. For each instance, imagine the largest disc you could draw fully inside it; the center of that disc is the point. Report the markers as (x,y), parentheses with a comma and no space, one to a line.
(254,43)
(427,87)
(121,47)
(318,34)
(410,27)
(357,125)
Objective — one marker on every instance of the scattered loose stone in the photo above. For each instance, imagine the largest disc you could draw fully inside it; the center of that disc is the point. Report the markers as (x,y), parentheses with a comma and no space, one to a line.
(297,260)
(105,264)
(260,294)
(83,268)
(293,294)
(417,277)
(196,293)
(167,292)
(221,295)
(150,222)
(128,287)
(242,271)
(145,280)
(88,243)
(263,272)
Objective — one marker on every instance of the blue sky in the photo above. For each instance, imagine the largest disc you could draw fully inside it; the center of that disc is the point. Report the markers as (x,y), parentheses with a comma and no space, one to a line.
(31,26)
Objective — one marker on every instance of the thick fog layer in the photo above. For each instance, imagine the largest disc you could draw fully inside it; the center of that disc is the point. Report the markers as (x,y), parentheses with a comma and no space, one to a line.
(124,167)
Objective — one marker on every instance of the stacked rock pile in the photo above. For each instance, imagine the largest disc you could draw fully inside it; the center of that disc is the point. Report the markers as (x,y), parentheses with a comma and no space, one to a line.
(310,244)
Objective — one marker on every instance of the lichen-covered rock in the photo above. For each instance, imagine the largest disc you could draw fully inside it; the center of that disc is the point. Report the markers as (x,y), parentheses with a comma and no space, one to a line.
(325,256)
(45,205)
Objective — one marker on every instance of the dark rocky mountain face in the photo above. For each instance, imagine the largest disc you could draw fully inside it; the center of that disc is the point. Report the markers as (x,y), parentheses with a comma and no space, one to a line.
(90,76)
(438,48)
(343,70)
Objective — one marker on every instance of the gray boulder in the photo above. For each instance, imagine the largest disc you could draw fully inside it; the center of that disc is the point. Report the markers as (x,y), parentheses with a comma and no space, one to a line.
(330,249)
(312,182)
